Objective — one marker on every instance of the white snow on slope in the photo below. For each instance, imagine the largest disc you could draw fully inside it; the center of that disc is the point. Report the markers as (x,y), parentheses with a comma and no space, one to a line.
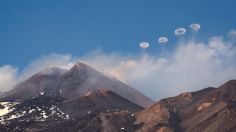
(7,107)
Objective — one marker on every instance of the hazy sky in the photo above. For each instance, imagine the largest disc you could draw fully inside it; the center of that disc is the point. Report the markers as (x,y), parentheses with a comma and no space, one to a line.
(32,28)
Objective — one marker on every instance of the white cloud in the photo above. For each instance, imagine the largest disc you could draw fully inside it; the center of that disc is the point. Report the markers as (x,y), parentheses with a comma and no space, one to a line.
(10,76)
(192,66)
(7,77)
(51,60)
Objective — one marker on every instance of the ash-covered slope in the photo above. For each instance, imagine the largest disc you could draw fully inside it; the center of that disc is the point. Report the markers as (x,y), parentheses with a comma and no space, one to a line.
(72,84)
(210,110)
(96,102)
(45,111)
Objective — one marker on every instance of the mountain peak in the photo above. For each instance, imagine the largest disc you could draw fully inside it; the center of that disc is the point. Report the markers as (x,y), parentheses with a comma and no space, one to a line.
(81,65)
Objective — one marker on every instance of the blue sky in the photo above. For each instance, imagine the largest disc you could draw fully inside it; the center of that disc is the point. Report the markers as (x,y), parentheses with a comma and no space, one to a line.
(30,28)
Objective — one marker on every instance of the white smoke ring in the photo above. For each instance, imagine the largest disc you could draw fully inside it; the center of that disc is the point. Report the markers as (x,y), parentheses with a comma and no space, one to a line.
(144,45)
(195,27)
(163,40)
(180,31)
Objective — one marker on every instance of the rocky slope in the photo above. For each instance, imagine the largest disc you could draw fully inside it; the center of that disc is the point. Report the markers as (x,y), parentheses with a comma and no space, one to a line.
(211,110)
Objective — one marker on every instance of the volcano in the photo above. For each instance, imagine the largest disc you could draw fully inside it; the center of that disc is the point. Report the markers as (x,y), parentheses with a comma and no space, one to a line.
(71,84)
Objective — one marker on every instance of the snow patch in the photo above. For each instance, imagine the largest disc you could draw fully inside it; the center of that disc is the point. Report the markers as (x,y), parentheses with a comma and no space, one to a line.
(7,107)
